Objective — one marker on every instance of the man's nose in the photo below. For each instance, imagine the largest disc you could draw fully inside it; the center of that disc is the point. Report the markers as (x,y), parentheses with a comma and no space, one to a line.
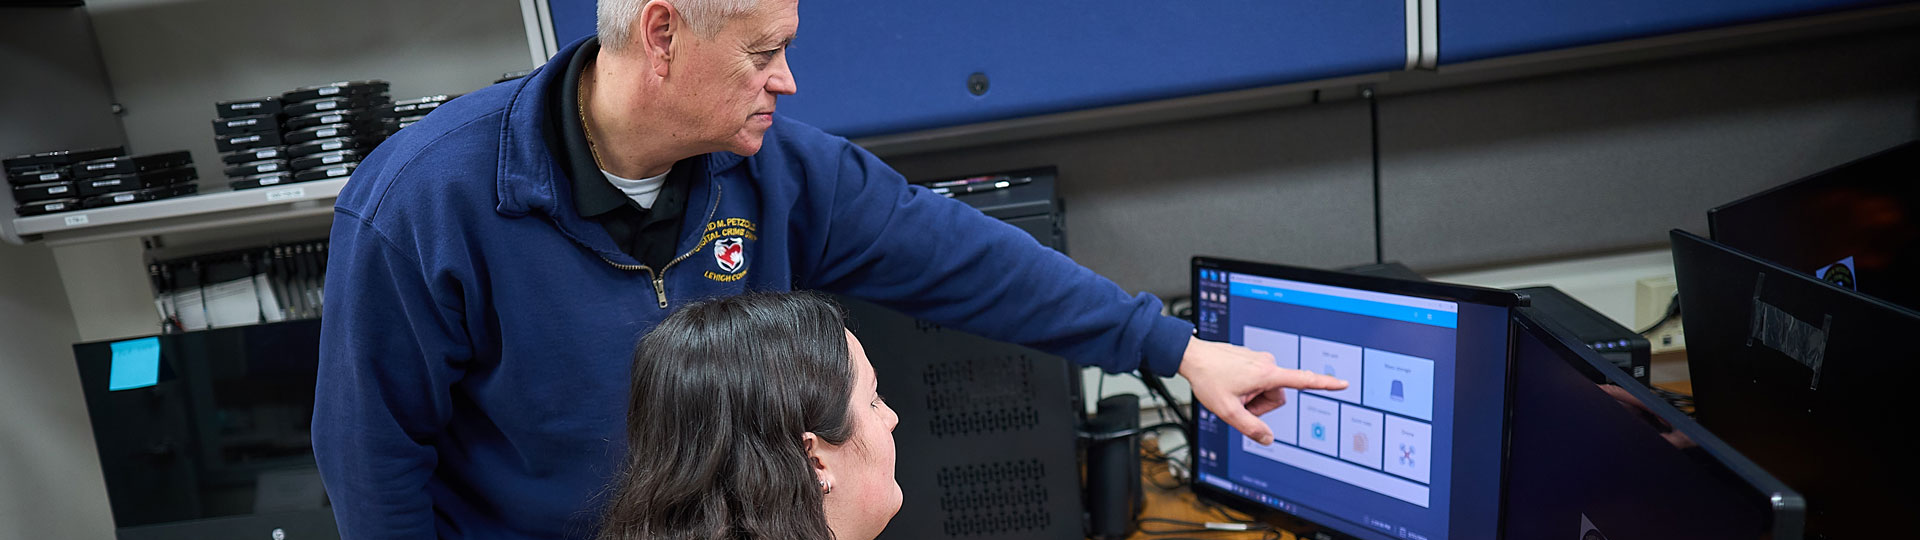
(782,82)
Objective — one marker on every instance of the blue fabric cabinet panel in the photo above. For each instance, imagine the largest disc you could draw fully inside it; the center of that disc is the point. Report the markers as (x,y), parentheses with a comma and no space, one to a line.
(1480,29)
(889,66)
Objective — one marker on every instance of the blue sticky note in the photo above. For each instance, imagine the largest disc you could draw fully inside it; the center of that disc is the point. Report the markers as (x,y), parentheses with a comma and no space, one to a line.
(136,364)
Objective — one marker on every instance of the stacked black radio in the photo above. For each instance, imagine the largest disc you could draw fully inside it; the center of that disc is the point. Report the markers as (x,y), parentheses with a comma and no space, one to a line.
(63,181)
(311,133)
(43,183)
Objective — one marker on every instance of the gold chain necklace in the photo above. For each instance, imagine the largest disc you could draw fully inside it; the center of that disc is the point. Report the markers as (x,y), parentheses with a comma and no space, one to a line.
(581,96)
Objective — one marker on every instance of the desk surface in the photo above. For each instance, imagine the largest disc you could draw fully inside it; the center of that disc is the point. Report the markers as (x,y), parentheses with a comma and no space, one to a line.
(1180,504)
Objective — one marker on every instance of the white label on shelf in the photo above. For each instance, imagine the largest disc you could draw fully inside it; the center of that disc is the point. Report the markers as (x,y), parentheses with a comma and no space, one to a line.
(267,167)
(55,190)
(336,171)
(266,154)
(269,182)
(77,220)
(98,166)
(326,105)
(50,176)
(123,197)
(244,106)
(329,160)
(56,207)
(332,145)
(333,119)
(106,183)
(244,140)
(329,132)
(286,194)
(240,123)
(331,90)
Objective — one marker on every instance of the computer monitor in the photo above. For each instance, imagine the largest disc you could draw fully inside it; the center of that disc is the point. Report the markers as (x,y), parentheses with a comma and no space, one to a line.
(1411,450)
(1856,225)
(1811,381)
(1590,447)
(207,434)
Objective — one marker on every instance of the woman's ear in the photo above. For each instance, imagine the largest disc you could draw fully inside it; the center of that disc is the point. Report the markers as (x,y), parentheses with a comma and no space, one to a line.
(816,450)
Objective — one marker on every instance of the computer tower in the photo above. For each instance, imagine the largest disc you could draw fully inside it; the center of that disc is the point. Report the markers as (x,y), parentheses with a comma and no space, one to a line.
(986,437)
(1630,352)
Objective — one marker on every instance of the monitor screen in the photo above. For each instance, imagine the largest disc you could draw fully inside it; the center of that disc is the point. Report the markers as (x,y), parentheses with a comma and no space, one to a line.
(1589,447)
(1856,225)
(1411,450)
(1807,379)
(208,424)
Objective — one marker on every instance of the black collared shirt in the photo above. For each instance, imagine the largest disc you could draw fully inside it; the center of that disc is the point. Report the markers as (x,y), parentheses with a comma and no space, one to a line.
(647,235)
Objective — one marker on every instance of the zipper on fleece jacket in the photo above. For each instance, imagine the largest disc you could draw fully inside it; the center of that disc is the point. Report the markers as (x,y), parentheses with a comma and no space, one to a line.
(660,278)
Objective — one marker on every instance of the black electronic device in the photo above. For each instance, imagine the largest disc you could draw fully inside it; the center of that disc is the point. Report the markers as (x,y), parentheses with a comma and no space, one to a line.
(205,434)
(254,154)
(247,107)
(511,75)
(1629,351)
(258,167)
(990,425)
(1589,447)
(131,164)
(45,160)
(326,159)
(327,145)
(249,141)
(1023,198)
(136,181)
(335,89)
(43,192)
(365,101)
(355,117)
(41,175)
(1856,225)
(413,107)
(342,170)
(40,208)
(243,125)
(329,131)
(261,180)
(1114,496)
(139,196)
(1804,377)
(1411,448)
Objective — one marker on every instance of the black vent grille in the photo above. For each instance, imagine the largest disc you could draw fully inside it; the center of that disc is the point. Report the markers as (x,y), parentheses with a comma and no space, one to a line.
(994,498)
(977,396)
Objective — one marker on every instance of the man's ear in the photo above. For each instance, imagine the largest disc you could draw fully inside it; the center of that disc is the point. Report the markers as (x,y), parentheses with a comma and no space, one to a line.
(659,24)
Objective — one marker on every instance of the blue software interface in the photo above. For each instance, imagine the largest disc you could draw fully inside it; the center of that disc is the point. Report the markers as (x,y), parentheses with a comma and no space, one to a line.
(1410,450)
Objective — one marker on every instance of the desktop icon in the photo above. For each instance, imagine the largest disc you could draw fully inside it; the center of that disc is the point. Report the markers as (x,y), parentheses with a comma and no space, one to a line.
(1360,442)
(1406,455)
(1397,391)
(1319,432)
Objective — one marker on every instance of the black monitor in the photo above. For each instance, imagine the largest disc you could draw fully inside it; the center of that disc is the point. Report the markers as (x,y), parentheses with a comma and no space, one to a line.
(206,434)
(1856,225)
(1810,380)
(1411,450)
(1590,447)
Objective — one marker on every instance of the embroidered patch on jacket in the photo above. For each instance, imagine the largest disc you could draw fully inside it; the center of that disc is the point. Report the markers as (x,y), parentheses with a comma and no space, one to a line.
(727,239)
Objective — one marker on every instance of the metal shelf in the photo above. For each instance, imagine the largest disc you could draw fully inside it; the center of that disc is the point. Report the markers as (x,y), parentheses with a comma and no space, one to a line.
(190,213)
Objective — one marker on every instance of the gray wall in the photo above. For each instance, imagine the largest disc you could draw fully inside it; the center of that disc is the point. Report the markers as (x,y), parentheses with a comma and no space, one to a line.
(1283,185)
(56,95)
(169,61)
(50,481)
(1611,159)
(1498,173)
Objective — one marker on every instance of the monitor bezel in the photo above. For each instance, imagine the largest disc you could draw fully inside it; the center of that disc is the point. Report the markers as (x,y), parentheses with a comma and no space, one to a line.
(1421,289)
(1788,507)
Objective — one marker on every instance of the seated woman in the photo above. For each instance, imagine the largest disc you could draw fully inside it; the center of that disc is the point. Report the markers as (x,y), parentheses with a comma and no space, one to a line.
(754,417)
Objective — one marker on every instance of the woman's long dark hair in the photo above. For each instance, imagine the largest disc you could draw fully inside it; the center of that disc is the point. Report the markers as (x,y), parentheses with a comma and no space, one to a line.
(722,392)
